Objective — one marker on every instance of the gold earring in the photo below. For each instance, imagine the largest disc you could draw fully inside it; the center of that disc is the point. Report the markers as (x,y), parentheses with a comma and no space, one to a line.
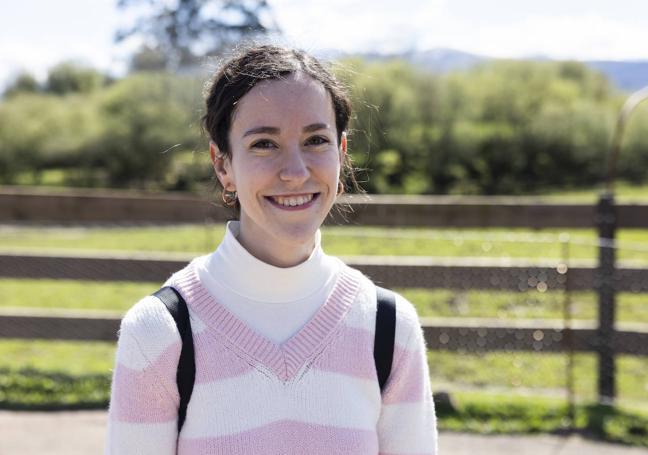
(229,198)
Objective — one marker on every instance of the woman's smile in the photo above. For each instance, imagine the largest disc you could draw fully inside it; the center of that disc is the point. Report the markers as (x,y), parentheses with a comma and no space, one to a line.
(285,167)
(293,202)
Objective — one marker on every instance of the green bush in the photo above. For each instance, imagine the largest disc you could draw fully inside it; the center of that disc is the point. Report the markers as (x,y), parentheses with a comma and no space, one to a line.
(34,389)
(148,118)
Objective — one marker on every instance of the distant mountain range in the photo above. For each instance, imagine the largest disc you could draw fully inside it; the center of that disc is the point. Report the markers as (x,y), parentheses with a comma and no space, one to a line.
(626,75)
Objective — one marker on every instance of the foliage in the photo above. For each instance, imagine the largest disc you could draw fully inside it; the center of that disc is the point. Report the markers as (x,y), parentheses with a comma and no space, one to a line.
(38,131)
(482,413)
(38,390)
(68,77)
(31,389)
(182,30)
(505,127)
(23,83)
(146,117)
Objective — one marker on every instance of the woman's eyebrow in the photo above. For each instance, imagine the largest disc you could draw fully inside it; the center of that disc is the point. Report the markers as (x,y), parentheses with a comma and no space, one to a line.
(275,131)
(315,126)
(262,130)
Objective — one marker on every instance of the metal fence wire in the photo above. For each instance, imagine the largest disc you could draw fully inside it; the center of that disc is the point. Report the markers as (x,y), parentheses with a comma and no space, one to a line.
(503,311)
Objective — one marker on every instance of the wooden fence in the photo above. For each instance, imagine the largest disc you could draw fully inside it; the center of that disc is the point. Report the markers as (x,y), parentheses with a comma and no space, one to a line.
(606,338)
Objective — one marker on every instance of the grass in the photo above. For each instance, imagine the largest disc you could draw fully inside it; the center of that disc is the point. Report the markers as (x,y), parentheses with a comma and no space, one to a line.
(117,297)
(624,192)
(338,241)
(62,375)
(49,374)
(503,413)
(68,294)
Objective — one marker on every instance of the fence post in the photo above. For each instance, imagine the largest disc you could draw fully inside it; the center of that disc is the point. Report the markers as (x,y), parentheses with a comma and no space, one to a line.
(606,223)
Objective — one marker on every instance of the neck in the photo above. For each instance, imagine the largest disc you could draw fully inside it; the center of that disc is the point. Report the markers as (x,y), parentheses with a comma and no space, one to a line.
(276,253)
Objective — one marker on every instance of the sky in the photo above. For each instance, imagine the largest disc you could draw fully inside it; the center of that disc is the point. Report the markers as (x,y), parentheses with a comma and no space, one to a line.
(36,34)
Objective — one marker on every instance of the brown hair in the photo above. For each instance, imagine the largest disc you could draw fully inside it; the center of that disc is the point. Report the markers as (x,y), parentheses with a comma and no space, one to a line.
(241,73)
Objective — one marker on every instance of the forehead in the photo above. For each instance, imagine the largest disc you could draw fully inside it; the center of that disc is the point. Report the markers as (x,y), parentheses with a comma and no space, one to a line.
(296,98)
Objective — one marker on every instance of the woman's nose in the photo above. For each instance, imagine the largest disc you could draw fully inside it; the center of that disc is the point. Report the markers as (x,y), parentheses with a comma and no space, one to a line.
(294,168)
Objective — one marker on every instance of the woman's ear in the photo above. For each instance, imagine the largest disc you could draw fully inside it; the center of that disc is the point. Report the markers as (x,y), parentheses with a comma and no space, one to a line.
(343,143)
(222,167)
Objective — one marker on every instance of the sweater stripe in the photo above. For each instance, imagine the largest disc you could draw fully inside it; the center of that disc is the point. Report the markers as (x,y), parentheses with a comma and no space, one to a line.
(342,401)
(297,438)
(314,394)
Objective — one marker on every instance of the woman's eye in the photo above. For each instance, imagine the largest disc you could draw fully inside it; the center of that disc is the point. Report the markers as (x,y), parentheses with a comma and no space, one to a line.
(317,140)
(263,144)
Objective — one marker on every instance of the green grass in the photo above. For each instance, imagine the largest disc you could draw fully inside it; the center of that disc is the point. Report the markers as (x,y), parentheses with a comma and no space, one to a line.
(46,374)
(624,192)
(506,413)
(73,358)
(521,305)
(339,241)
(119,296)
(69,294)
(48,177)
(59,375)
(542,373)
(39,374)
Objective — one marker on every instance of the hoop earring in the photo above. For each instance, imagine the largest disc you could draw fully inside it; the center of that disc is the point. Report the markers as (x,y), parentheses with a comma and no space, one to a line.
(340,188)
(229,198)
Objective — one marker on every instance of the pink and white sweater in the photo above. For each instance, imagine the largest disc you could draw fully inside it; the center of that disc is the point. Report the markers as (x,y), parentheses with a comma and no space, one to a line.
(316,393)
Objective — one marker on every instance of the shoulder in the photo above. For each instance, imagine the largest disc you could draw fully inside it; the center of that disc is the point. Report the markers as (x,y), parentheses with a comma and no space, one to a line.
(148,317)
(407,319)
(147,331)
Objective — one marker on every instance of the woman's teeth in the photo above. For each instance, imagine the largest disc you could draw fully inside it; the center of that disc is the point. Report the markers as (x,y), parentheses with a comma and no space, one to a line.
(292,201)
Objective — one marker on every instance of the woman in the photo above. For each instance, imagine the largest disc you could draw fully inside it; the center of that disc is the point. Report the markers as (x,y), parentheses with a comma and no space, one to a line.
(283,333)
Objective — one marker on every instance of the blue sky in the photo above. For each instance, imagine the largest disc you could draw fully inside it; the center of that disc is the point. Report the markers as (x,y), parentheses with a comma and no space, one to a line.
(35,34)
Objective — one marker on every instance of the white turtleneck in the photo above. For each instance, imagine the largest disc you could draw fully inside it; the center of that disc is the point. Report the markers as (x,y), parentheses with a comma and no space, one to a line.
(275,302)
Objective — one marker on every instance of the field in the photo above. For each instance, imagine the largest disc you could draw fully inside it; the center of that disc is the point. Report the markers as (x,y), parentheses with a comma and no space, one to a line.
(40,374)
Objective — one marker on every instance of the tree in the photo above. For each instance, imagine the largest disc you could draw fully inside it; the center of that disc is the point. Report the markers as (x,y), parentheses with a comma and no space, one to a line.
(144,116)
(70,77)
(148,59)
(186,29)
(23,83)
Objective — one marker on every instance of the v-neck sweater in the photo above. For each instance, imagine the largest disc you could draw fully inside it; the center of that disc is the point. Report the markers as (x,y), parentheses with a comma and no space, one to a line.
(316,393)
(274,301)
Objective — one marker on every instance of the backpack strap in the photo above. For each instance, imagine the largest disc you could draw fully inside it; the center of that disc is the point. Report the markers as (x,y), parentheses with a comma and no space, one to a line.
(383,342)
(385,333)
(186,374)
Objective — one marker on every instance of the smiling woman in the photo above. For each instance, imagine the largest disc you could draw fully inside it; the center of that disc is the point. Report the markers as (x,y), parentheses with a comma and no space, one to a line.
(283,165)
(288,349)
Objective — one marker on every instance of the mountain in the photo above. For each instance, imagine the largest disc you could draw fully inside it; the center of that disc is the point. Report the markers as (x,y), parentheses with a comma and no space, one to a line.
(625,75)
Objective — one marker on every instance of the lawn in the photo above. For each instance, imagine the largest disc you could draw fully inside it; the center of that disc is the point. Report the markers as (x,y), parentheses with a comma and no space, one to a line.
(117,297)
(46,374)
(339,241)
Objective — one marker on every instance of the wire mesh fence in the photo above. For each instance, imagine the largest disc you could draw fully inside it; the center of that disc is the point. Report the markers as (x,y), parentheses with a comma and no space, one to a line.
(505,311)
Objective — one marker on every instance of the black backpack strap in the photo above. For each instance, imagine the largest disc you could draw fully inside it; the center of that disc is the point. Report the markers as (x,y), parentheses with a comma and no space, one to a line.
(385,333)
(186,374)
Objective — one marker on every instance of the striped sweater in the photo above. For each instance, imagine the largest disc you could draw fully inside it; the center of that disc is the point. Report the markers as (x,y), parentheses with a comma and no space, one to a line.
(317,393)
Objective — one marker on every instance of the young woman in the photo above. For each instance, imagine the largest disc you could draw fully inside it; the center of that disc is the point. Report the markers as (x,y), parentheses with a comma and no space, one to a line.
(283,333)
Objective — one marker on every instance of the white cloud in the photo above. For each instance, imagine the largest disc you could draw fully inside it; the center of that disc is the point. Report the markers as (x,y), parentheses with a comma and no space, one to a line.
(582,37)
(382,25)
(35,34)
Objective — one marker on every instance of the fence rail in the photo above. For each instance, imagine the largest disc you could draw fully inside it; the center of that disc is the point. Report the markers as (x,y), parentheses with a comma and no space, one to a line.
(92,206)
(477,335)
(395,272)
(606,278)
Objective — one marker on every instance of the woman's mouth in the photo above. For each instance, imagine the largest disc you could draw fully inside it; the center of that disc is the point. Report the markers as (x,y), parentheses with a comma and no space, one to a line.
(293,202)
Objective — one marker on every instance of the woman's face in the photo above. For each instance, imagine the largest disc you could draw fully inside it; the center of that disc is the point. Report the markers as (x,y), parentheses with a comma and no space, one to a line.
(284,166)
